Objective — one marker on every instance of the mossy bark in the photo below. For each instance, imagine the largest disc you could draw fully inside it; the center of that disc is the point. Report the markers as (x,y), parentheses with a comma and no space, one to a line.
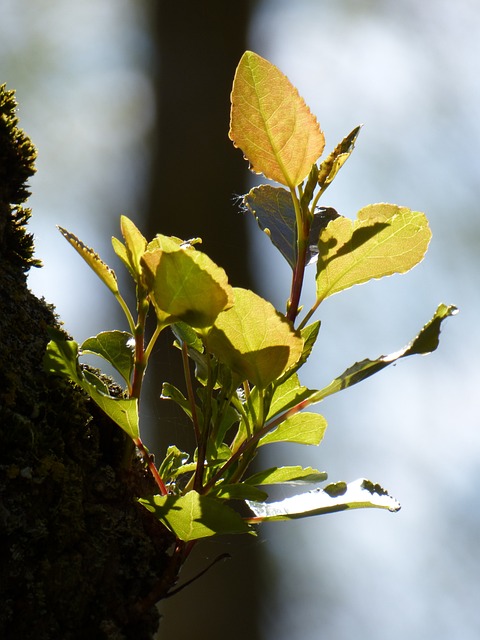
(78,556)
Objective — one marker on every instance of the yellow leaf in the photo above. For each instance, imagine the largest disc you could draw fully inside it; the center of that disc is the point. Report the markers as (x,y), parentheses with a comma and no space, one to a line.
(103,271)
(271,123)
(385,239)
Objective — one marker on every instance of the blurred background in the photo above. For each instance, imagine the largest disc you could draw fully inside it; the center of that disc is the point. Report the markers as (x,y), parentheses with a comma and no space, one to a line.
(128,104)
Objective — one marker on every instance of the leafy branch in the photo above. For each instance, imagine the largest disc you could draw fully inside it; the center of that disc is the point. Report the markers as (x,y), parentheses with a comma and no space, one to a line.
(241,356)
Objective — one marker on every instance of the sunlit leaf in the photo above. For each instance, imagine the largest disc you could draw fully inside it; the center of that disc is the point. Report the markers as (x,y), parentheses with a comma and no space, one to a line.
(116,347)
(271,123)
(135,245)
(275,214)
(121,251)
(103,271)
(254,339)
(173,463)
(287,475)
(309,335)
(287,394)
(301,428)
(385,239)
(195,516)
(239,491)
(425,342)
(335,160)
(123,411)
(339,496)
(185,284)
(61,357)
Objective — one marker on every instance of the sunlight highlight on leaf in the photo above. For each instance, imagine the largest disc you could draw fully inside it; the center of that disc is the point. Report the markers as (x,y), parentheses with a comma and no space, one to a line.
(271,123)
(385,239)
(254,339)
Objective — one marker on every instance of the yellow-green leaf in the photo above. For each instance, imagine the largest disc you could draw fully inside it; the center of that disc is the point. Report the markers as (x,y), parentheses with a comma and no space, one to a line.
(103,271)
(301,428)
(135,244)
(337,158)
(185,284)
(193,516)
(256,341)
(271,123)
(385,239)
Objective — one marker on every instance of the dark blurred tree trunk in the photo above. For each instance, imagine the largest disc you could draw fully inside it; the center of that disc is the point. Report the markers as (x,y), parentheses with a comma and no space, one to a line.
(195,176)
(79,556)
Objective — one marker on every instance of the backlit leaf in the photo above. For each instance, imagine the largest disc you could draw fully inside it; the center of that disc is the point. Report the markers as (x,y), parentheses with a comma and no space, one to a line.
(103,271)
(425,342)
(239,491)
(123,411)
(135,245)
(116,347)
(254,340)
(287,395)
(287,475)
(185,284)
(301,428)
(385,239)
(195,516)
(271,123)
(61,357)
(335,160)
(360,494)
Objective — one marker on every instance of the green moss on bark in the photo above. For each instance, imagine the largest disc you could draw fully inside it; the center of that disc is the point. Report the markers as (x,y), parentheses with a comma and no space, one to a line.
(78,556)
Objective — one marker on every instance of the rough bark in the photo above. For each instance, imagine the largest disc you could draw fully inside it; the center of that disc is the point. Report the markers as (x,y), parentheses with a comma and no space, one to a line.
(78,556)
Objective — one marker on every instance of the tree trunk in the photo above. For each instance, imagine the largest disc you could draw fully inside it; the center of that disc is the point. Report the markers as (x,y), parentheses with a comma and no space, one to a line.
(196,174)
(79,557)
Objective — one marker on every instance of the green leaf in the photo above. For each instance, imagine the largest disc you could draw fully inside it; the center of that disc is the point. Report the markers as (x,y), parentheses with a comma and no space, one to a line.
(135,245)
(425,342)
(116,347)
(185,284)
(194,516)
(254,340)
(185,334)
(123,411)
(335,161)
(360,494)
(301,428)
(121,251)
(275,214)
(271,123)
(287,395)
(287,475)
(61,357)
(309,335)
(385,239)
(239,491)
(173,463)
(103,271)
(170,392)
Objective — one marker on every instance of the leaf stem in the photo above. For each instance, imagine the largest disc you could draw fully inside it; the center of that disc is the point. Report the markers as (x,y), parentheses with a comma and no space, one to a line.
(203,440)
(126,311)
(151,466)
(303,232)
(190,393)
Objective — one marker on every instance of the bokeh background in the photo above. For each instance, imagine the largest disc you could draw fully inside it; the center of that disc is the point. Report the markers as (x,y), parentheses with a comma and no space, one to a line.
(91,78)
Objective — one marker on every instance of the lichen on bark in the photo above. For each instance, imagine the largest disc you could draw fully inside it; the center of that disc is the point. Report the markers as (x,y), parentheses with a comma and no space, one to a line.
(79,557)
